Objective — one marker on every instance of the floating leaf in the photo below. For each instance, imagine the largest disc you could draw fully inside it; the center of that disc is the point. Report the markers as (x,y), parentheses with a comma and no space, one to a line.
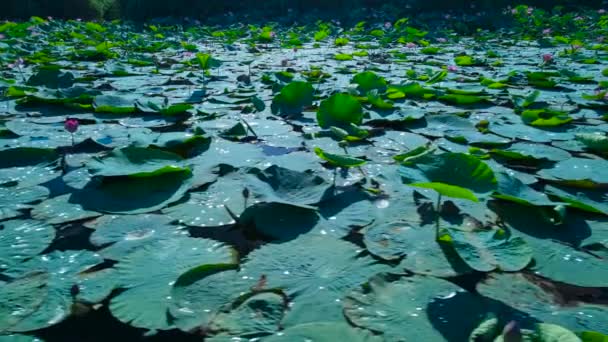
(149,274)
(339,110)
(339,160)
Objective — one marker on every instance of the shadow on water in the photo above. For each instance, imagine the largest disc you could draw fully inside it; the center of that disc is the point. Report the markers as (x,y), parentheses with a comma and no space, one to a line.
(101,326)
(456,315)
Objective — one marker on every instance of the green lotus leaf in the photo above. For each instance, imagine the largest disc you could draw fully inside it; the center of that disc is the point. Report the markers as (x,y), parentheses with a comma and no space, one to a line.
(510,188)
(369,80)
(310,265)
(452,191)
(257,316)
(487,250)
(134,194)
(20,299)
(596,142)
(114,104)
(216,206)
(61,209)
(593,201)
(183,144)
(51,78)
(339,110)
(554,333)
(201,293)
(278,184)
(122,235)
(515,293)
(206,62)
(293,98)
(340,160)
(26,156)
(280,221)
(578,172)
(464,175)
(432,311)
(134,161)
(13,199)
(377,102)
(64,270)
(410,90)
(149,273)
(23,239)
(545,117)
(324,332)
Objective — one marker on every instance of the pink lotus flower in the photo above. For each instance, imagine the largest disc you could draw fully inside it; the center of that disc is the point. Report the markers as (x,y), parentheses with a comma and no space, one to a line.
(514,11)
(49,18)
(388,25)
(442,40)
(452,68)
(71,125)
(577,47)
(579,18)
(78,19)
(2,36)
(547,58)
(411,45)
(601,11)
(547,31)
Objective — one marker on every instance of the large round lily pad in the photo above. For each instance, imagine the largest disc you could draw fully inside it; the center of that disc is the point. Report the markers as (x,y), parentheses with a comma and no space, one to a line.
(122,235)
(414,308)
(149,274)
(64,270)
(23,239)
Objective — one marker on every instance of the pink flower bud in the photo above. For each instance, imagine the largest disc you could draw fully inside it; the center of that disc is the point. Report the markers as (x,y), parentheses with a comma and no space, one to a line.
(442,40)
(547,31)
(452,68)
(2,36)
(547,58)
(411,45)
(71,125)
(601,11)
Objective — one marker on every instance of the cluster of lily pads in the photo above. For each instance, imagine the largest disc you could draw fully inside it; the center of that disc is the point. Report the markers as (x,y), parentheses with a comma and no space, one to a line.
(377,183)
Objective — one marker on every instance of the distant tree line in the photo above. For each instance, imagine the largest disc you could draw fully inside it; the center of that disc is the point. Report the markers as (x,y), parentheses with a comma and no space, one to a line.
(145,9)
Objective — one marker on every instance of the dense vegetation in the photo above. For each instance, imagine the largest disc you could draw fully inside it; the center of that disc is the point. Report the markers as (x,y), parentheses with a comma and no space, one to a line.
(141,9)
(392,179)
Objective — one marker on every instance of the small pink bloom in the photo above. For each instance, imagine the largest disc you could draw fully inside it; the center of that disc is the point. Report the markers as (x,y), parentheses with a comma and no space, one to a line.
(411,45)
(579,18)
(272,34)
(71,125)
(514,11)
(49,17)
(530,10)
(547,31)
(452,68)
(442,40)
(577,47)
(601,11)
(2,36)
(388,25)
(78,19)
(547,58)
(188,54)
